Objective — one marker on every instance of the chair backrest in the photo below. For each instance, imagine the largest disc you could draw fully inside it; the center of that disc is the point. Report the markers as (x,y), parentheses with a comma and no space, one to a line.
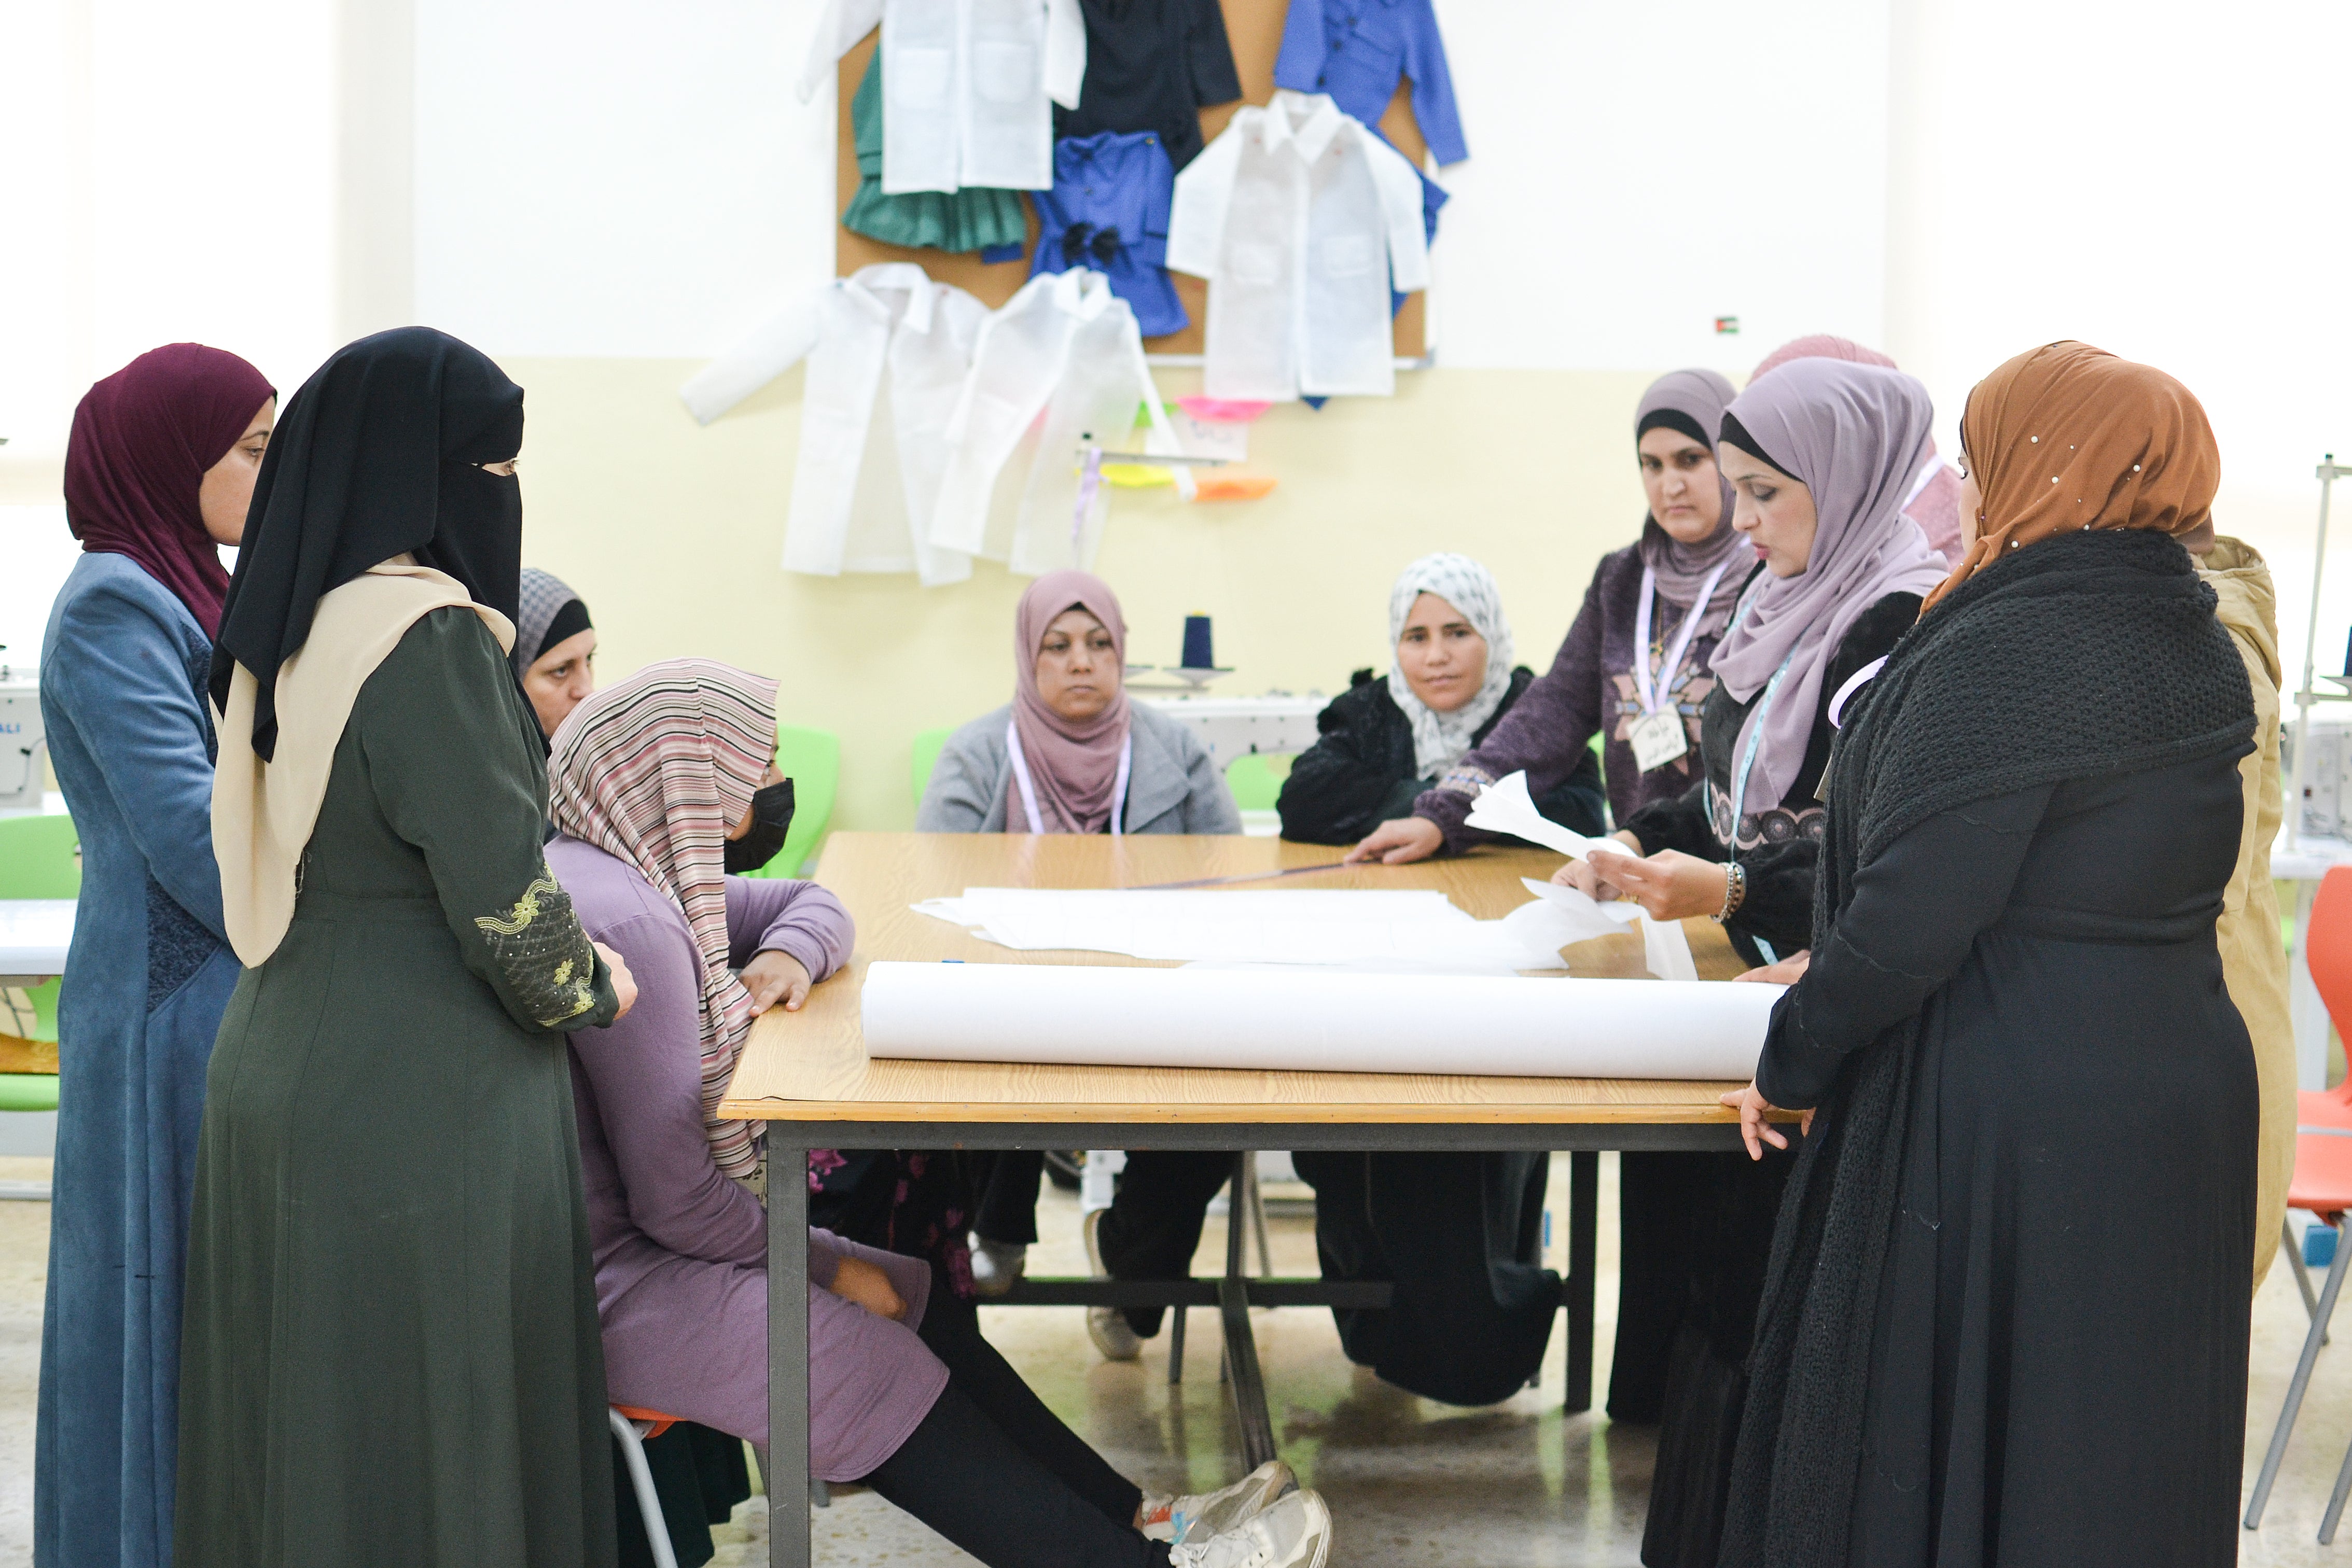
(1256,780)
(811,759)
(928,746)
(2328,948)
(40,857)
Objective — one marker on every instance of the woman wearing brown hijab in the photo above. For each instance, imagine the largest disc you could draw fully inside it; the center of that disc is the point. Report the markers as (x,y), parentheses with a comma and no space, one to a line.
(2006,1315)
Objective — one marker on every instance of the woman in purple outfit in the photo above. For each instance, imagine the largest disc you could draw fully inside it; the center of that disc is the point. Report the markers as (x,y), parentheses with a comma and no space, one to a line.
(652,783)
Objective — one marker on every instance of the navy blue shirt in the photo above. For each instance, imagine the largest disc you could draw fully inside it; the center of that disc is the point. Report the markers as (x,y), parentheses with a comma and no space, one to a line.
(1153,65)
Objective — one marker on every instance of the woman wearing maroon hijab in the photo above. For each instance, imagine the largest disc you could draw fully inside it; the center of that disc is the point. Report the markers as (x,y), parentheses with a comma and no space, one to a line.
(158,473)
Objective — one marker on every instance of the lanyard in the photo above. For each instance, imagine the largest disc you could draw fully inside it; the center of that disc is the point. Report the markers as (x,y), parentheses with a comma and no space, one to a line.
(1756,725)
(1643,687)
(1029,787)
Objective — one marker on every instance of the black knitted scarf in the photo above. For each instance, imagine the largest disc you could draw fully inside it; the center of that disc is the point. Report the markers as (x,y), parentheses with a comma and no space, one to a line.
(2090,653)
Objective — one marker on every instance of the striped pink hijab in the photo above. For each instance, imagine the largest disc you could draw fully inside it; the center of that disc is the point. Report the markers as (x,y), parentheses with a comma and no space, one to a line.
(654,771)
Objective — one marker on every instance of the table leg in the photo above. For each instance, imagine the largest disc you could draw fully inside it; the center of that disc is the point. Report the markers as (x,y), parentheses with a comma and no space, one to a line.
(788,1354)
(1243,1377)
(1583,1230)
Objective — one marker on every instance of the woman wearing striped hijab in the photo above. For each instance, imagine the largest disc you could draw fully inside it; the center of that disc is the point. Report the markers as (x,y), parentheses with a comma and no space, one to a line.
(650,782)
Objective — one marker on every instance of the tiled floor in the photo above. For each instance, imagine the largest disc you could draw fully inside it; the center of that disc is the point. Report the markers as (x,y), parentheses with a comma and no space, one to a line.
(1408,1480)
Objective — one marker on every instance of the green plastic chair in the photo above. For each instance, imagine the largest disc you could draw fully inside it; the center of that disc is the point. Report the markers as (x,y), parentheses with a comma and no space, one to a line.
(811,759)
(928,746)
(40,858)
(1256,780)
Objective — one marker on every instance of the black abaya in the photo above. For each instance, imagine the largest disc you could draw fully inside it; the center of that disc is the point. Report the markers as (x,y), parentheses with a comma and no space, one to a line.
(2058,1373)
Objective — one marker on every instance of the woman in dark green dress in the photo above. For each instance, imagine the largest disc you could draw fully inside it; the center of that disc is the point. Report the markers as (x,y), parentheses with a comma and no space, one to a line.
(391,1354)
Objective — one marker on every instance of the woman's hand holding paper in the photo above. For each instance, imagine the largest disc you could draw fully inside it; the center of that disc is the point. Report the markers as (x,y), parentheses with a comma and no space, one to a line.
(1668,885)
(1583,877)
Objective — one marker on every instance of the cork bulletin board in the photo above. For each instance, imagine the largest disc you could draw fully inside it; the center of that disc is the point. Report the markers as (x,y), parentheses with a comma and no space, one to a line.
(1254,29)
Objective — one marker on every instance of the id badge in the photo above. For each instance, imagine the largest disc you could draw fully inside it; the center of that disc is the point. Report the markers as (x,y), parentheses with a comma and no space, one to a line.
(1658,738)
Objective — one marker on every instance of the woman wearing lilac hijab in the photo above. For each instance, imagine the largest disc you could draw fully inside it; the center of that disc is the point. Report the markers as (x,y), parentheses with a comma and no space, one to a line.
(1819,455)
(159,470)
(1071,755)
(1934,502)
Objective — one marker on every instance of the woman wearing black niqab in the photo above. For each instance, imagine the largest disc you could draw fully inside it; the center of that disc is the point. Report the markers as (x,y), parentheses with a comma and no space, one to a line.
(391,1350)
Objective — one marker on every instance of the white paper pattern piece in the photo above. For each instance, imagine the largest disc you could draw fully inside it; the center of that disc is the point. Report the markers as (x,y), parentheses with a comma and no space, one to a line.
(1264,927)
(1505,806)
(1665,950)
(1304,1020)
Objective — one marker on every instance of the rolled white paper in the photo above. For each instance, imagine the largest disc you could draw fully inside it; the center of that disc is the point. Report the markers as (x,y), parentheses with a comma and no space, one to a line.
(1307,1020)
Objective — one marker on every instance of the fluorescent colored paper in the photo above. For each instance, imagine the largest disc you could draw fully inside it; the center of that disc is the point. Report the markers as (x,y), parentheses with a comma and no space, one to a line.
(1307,1020)
(1505,806)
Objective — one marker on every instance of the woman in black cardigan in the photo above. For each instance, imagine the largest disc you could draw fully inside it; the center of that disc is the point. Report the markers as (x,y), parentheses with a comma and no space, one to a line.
(1387,740)
(2008,1314)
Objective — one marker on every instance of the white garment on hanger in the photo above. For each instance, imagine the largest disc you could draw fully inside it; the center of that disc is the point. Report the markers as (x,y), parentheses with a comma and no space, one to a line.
(1301,219)
(968,86)
(862,489)
(1064,347)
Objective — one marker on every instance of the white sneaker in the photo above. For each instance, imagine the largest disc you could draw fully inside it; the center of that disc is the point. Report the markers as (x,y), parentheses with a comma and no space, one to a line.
(995,1265)
(1296,1533)
(1107,1326)
(1197,1517)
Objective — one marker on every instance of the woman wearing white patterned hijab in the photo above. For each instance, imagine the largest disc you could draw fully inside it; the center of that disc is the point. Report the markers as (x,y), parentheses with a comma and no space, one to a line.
(1453,656)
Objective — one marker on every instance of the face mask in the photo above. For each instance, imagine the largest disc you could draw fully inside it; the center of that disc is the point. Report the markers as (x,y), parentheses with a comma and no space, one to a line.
(771,819)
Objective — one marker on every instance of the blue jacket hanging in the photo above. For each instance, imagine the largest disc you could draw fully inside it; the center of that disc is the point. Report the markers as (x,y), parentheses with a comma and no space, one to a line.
(1107,209)
(1356,50)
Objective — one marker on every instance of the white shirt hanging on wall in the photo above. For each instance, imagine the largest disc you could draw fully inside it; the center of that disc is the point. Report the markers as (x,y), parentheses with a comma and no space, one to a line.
(1060,366)
(968,86)
(862,489)
(1301,218)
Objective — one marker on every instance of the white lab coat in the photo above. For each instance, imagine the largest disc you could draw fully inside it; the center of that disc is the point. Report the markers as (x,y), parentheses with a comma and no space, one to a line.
(1066,348)
(1300,219)
(968,86)
(862,489)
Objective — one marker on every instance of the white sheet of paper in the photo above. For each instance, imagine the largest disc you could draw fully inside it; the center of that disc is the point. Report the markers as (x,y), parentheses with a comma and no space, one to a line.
(1589,914)
(1330,1021)
(1506,806)
(1666,951)
(1288,927)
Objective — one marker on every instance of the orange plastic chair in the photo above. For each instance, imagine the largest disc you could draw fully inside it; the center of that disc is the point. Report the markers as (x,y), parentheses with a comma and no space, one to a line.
(2322,1183)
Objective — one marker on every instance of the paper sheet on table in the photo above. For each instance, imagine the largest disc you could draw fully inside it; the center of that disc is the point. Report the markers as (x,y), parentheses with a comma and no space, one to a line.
(1301,927)
(1505,806)
(1311,1020)
(1665,950)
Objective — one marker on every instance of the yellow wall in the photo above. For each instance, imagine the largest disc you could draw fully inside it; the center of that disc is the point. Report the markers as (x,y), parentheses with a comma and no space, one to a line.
(672,533)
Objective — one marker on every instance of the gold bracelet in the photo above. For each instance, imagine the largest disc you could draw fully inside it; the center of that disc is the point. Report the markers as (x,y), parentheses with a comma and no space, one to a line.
(1734,890)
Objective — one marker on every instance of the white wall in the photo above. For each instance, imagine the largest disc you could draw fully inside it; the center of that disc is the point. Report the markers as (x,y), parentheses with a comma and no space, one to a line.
(592,181)
(2175,188)
(602,178)
(1637,170)
(171,176)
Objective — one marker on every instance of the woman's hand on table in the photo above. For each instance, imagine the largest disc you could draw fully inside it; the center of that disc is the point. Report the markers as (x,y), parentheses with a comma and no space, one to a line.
(855,1280)
(1754,1130)
(1787,972)
(1399,842)
(1668,885)
(624,985)
(773,976)
(1581,875)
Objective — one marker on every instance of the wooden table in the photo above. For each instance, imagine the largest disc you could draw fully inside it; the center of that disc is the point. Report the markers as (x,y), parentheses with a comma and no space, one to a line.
(807,1075)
